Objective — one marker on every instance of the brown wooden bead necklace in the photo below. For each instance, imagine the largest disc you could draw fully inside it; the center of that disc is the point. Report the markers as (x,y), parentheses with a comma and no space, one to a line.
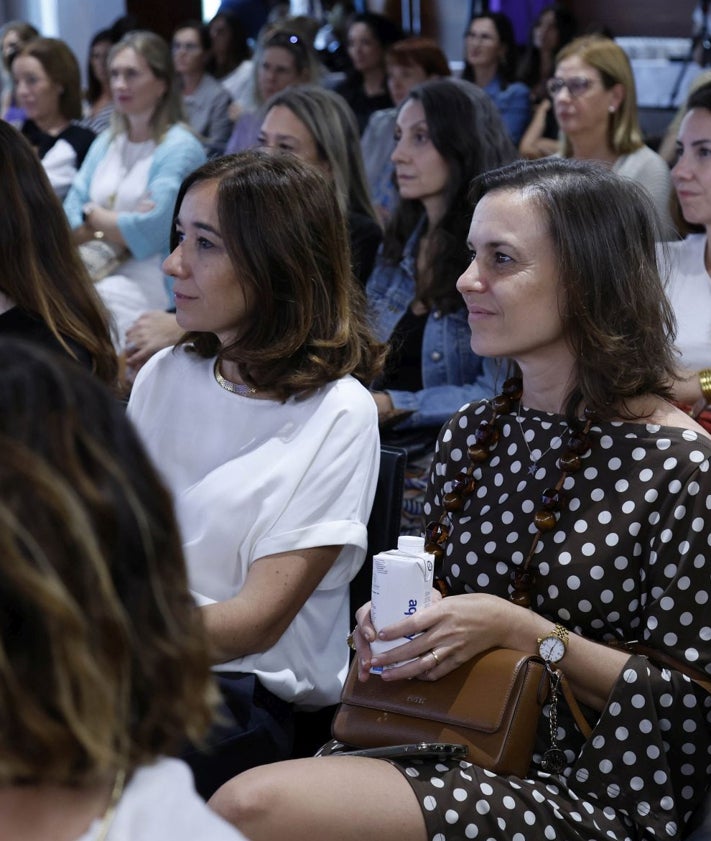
(487,434)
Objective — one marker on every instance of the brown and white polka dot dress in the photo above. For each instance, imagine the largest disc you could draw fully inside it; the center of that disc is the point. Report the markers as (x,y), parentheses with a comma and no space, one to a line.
(630,559)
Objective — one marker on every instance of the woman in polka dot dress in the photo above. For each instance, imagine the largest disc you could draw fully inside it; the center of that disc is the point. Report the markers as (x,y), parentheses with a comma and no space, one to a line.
(584,526)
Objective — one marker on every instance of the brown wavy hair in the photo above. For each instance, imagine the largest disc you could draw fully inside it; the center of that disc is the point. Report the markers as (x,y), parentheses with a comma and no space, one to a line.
(287,241)
(103,655)
(618,320)
(40,267)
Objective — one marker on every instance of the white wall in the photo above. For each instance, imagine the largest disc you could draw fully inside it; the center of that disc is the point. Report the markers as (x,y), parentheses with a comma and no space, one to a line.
(74,21)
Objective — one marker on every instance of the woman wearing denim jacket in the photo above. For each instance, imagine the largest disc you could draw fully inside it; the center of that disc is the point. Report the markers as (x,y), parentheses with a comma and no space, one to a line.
(447,132)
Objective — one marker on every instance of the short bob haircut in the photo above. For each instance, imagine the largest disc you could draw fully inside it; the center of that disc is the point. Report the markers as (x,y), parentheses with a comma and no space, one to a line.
(611,62)
(466,129)
(334,128)
(40,267)
(288,244)
(419,52)
(156,52)
(103,656)
(304,55)
(505,31)
(60,64)
(618,321)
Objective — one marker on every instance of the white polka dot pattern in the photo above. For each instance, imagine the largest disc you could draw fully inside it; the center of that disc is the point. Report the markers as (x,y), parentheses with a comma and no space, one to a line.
(630,558)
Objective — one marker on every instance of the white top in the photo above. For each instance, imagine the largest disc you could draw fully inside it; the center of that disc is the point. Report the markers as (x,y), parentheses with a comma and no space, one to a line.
(652,172)
(689,290)
(240,85)
(160,802)
(253,478)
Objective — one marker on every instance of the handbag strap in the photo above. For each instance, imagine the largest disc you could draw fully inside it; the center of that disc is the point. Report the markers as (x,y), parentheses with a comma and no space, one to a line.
(664,659)
(645,651)
(574,706)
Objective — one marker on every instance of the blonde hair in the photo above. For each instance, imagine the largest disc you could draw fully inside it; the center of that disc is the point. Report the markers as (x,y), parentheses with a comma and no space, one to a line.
(156,52)
(611,62)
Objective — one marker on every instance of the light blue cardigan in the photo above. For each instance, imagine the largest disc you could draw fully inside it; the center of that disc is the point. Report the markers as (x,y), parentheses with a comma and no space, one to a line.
(177,155)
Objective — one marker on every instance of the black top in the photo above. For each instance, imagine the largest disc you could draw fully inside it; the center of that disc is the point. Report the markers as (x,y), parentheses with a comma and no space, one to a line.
(24,325)
(366,236)
(362,105)
(78,137)
(403,369)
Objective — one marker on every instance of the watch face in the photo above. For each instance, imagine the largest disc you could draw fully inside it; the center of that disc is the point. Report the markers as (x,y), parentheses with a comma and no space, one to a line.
(552,649)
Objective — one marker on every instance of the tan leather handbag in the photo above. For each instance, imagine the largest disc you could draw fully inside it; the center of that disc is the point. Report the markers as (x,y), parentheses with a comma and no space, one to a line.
(492,704)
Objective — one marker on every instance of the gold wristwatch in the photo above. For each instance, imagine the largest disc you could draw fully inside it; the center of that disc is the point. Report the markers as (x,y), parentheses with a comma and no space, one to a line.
(552,646)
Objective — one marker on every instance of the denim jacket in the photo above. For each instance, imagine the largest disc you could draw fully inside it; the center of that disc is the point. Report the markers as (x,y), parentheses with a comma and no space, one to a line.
(452,374)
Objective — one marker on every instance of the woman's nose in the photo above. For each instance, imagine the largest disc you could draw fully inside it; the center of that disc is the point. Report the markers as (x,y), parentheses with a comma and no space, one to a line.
(173,264)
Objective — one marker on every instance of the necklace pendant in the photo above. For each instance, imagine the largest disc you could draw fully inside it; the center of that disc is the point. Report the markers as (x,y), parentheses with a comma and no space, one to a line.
(533,468)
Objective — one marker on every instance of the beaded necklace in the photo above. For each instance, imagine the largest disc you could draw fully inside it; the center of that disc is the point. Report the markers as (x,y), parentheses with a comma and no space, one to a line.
(486,437)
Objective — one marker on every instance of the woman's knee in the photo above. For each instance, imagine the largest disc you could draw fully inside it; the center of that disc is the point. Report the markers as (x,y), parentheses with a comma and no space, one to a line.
(247,798)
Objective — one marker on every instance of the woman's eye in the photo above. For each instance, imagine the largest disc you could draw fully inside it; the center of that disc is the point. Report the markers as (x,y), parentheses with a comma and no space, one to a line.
(179,236)
(204,244)
(421,137)
(472,255)
(499,257)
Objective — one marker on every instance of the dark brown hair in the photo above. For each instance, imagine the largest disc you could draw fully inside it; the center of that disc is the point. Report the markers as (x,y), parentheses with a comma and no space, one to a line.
(288,243)
(699,98)
(466,129)
(505,31)
(618,320)
(40,267)
(60,64)
(103,655)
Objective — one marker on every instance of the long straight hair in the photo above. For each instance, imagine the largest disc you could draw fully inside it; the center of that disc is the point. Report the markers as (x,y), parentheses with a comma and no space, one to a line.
(466,129)
(333,126)
(40,267)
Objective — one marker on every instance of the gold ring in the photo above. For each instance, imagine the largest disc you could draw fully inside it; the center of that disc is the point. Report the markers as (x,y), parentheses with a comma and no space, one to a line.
(351,641)
(434,654)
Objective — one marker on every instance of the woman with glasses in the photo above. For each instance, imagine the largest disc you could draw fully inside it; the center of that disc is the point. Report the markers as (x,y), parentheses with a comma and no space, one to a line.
(205,100)
(554,28)
(490,58)
(283,58)
(595,103)
(267,438)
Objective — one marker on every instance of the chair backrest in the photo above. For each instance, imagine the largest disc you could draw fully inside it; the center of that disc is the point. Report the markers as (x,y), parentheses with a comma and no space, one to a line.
(384,522)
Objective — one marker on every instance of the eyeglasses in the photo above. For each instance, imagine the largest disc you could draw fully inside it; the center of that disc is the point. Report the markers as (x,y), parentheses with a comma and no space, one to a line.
(188,46)
(576,85)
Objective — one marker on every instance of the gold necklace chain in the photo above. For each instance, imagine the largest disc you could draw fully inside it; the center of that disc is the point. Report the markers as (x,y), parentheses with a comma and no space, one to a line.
(233,388)
(116,793)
